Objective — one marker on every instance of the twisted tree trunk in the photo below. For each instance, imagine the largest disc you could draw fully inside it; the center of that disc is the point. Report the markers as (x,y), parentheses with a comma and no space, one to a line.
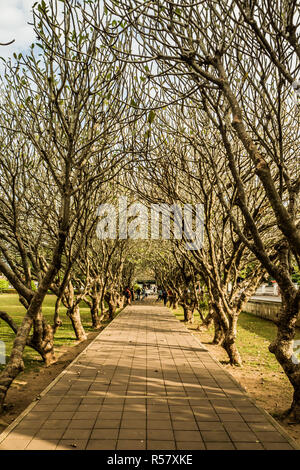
(74,315)
(42,339)
(282,346)
(15,363)
(95,307)
(229,342)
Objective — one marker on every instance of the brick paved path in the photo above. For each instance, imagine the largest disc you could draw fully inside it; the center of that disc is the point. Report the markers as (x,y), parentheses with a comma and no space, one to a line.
(145,382)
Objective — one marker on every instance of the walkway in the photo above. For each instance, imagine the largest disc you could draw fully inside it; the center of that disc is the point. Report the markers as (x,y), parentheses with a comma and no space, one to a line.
(145,382)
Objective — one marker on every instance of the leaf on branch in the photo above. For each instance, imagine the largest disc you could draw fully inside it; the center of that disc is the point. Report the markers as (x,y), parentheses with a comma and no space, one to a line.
(151,116)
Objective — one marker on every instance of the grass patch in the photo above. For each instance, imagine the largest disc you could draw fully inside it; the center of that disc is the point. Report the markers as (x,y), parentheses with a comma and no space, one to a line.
(253,338)
(64,336)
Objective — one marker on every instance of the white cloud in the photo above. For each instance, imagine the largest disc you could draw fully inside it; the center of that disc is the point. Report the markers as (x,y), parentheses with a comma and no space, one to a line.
(14,18)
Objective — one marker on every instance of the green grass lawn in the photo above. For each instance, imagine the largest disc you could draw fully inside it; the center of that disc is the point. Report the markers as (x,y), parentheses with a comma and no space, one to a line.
(253,338)
(65,336)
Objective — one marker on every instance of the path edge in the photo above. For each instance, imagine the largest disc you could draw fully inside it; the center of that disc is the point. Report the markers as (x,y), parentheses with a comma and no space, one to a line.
(279,428)
(25,412)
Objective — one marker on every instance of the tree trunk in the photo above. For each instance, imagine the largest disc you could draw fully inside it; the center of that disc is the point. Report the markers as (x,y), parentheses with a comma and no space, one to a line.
(218,330)
(120,301)
(188,313)
(112,307)
(96,321)
(173,302)
(74,315)
(56,319)
(282,346)
(42,339)
(208,320)
(15,363)
(112,304)
(229,342)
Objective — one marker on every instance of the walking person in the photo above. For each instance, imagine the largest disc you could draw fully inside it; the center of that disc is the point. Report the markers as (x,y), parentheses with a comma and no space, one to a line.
(165,297)
(159,296)
(127,294)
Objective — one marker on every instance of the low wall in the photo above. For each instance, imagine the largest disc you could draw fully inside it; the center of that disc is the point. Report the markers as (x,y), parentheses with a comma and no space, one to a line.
(268,309)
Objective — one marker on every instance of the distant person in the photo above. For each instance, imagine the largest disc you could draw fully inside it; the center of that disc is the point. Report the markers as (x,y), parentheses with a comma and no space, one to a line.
(132,294)
(143,293)
(138,294)
(127,294)
(165,297)
(159,296)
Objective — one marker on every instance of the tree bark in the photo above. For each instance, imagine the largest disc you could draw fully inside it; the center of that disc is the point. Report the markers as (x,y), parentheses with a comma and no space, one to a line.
(282,346)
(15,363)
(96,321)
(42,339)
(74,315)
(229,342)
(208,320)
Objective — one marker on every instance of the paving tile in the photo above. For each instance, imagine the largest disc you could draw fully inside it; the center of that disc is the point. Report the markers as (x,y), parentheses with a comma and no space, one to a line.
(188,445)
(270,436)
(161,434)
(84,415)
(236,426)
(110,415)
(277,446)
(65,415)
(40,444)
(104,434)
(160,445)
(107,424)
(219,446)
(131,444)
(41,407)
(72,444)
(210,426)
(56,424)
(51,434)
(242,436)
(187,435)
(215,436)
(77,434)
(248,446)
(15,442)
(68,407)
(151,386)
(31,425)
(190,425)
(264,426)
(230,417)
(254,418)
(81,424)
(127,433)
(159,424)
(100,444)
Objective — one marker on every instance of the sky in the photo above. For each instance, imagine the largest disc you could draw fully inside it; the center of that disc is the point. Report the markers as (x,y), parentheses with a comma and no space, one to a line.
(14,17)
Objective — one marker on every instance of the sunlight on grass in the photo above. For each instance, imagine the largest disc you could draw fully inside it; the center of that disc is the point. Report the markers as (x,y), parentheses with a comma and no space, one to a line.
(65,336)
(253,338)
